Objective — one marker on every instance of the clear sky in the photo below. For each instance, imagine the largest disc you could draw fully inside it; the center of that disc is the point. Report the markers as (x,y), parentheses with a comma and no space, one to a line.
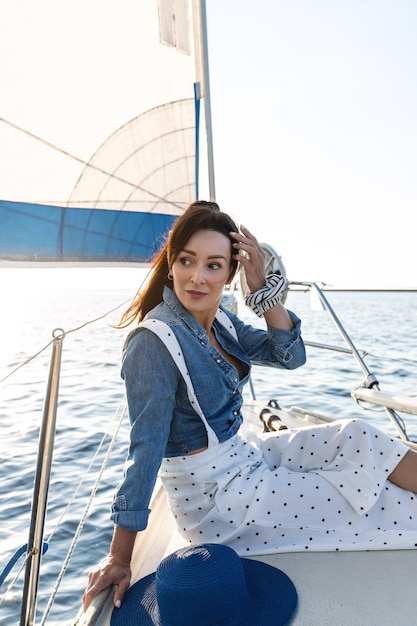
(314,106)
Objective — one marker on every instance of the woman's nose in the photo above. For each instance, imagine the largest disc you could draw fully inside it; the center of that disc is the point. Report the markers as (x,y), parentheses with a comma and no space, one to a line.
(198,275)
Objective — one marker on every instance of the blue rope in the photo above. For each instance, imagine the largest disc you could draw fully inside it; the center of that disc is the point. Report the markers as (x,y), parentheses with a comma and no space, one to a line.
(16,556)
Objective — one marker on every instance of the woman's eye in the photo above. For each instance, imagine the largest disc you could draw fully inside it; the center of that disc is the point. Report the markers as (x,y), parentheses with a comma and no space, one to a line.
(187,261)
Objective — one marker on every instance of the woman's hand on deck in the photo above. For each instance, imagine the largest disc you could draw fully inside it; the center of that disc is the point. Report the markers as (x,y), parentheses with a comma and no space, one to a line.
(112,570)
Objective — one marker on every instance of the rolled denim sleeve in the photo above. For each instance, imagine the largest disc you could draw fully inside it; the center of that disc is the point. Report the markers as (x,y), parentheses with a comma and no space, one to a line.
(287,345)
(130,520)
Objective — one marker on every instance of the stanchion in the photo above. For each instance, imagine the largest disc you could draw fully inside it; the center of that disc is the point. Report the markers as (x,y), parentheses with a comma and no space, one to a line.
(42,479)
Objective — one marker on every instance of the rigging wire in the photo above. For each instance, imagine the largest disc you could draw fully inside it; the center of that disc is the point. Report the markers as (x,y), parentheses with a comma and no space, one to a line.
(72,330)
(23,550)
(89,468)
(87,508)
(122,408)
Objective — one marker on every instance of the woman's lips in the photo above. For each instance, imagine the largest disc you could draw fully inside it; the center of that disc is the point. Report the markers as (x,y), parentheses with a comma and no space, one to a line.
(196,294)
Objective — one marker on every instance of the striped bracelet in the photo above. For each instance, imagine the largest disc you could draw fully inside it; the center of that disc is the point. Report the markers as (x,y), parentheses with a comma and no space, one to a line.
(268,296)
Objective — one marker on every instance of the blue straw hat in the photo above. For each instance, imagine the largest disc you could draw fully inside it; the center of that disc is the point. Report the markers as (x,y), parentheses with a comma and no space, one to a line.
(207,585)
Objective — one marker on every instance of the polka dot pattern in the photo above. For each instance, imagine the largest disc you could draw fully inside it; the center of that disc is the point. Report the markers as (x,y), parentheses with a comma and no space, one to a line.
(316,488)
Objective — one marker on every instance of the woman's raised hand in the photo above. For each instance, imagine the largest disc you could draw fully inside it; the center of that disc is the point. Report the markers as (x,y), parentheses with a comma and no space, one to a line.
(252,258)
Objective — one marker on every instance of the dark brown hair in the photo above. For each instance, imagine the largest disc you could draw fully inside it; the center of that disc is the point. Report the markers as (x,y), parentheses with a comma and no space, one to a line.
(199,215)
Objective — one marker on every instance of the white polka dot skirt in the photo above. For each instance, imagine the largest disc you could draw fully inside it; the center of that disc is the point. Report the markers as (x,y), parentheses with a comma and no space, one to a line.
(316,488)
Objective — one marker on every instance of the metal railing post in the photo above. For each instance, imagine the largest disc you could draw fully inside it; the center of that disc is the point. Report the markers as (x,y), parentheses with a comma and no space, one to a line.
(371,380)
(42,479)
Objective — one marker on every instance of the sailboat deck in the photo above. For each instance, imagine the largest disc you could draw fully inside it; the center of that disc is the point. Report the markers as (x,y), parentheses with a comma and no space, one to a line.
(363,588)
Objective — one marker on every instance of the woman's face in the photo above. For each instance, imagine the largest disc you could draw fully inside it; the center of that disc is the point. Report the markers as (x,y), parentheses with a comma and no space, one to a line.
(201,271)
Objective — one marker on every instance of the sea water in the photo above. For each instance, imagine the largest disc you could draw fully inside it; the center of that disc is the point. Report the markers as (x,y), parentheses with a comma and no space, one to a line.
(91,396)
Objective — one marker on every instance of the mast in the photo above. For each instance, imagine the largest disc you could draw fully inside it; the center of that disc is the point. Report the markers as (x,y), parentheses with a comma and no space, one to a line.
(205,92)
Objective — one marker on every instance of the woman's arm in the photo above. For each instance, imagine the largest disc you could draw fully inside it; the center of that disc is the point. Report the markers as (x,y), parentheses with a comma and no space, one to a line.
(151,379)
(150,391)
(114,569)
(278,317)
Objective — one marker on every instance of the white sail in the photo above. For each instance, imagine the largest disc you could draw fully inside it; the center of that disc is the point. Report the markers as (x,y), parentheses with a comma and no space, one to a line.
(110,126)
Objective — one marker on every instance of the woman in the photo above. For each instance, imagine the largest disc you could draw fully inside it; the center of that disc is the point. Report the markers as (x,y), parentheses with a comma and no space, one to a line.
(318,488)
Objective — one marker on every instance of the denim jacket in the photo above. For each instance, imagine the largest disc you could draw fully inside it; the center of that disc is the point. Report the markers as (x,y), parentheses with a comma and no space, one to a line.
(163,423)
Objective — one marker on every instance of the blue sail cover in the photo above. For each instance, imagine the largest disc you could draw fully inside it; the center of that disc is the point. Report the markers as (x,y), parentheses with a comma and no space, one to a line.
(39,233)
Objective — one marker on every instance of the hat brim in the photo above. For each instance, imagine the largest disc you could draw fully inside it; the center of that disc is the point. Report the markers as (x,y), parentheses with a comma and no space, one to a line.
(274,598)
(273,593)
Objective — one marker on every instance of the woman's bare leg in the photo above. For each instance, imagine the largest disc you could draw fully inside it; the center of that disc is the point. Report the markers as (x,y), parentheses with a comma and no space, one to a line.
(405,474)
